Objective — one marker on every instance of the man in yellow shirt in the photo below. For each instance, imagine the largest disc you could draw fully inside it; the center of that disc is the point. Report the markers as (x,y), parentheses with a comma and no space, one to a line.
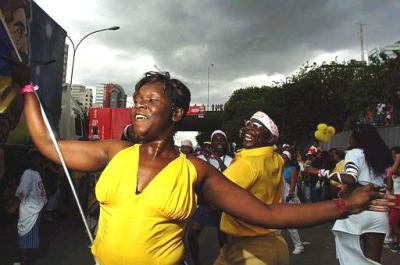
(257,168)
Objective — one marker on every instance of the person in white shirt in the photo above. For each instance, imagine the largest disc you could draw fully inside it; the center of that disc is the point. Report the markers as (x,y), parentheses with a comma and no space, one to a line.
(205,214)
(219,150)
(186,147)
(290,175)
(359,238)
(32,196)
(380,114)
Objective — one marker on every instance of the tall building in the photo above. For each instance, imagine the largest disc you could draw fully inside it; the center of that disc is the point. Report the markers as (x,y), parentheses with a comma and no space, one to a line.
(114,96)
(99,95)
(83,95)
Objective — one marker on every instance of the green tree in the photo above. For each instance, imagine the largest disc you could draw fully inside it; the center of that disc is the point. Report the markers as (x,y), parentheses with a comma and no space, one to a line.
(333,93)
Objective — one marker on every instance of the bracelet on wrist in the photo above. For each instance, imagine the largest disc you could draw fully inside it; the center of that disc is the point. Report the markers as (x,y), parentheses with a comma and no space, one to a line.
(324,173)
(341,205)
(29,88)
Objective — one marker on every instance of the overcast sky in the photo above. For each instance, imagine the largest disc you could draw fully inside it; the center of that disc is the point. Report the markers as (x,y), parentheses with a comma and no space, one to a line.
(249,42)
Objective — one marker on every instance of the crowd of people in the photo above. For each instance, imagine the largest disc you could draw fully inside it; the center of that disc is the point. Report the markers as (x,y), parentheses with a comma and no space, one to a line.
(379,115)
(217,107)
(151,194)
(311,176)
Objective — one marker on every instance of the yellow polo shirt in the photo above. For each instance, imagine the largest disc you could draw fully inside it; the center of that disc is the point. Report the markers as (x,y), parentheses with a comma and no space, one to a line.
(259,171)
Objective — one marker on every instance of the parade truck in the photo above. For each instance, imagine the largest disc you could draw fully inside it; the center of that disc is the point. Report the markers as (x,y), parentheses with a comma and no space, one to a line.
(108,123)
(27,34)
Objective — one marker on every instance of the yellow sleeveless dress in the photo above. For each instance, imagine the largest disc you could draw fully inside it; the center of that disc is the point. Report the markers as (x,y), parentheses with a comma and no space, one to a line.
(145,228)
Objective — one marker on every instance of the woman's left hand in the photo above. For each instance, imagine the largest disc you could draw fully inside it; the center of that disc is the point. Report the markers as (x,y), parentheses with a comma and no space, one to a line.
(365,197)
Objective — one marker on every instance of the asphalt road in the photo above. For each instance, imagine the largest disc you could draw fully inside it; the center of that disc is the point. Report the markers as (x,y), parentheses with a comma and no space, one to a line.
(65,243)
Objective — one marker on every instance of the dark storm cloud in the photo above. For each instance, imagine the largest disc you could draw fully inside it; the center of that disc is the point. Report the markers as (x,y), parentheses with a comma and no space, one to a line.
(244,38)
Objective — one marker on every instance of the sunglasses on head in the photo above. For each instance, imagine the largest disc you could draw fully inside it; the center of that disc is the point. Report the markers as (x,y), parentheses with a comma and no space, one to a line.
(253,124)
(163,75)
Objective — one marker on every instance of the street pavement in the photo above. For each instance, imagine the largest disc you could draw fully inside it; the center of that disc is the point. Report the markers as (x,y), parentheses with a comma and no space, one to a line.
(65,243)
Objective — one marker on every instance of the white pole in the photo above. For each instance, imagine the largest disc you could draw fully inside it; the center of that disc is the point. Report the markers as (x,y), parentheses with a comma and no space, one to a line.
(60,156)
(361,40)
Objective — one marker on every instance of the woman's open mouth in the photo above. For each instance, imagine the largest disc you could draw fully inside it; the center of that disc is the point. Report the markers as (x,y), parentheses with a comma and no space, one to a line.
(140,117)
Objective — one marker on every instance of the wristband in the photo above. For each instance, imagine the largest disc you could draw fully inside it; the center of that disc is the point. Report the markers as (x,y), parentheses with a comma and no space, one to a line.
(323,173)
(29,88)
(341,205)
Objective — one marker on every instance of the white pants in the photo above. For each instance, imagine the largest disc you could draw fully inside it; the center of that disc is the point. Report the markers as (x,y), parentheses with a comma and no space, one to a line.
(348,250)
(295,237)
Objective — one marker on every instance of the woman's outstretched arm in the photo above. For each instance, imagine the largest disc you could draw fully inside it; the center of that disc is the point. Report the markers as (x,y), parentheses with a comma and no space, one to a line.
(235,201)
(78,155)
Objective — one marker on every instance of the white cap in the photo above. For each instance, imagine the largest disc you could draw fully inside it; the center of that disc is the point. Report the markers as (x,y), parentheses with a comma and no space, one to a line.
(287,154)
(186,143)
(220,132)
(267,122)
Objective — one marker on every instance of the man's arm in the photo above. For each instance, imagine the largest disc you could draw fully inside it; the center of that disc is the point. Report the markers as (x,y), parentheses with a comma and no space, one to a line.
(237,202)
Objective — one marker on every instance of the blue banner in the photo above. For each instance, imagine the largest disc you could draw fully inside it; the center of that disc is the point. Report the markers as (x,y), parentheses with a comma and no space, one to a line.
(40,42)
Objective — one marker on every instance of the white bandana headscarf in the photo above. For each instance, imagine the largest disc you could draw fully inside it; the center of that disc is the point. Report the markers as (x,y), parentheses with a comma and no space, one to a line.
(267,122)
(186,143)
(220,132)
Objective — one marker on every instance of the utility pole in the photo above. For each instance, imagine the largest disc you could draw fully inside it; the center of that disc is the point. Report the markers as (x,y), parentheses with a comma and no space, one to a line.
(208,86)
(361,40)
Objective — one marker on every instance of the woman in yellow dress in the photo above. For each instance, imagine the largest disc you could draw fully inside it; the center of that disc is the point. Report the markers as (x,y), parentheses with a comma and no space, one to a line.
(147,191)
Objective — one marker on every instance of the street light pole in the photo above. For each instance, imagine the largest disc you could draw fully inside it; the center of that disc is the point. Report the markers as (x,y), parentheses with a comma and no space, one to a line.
(208,86)
(75,48)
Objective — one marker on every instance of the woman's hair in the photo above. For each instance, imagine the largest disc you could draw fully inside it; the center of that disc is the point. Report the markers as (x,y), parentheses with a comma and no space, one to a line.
(377,153)
(340,153)
(326,160)
(175,90)
(395,149)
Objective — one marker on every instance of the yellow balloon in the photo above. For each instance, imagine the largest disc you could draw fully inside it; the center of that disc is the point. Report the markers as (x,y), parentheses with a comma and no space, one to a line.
(321,126)
(319,135)
(326,138)
(331,130)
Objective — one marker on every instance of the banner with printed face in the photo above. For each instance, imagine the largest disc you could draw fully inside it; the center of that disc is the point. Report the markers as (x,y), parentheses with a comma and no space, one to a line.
(40,43)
